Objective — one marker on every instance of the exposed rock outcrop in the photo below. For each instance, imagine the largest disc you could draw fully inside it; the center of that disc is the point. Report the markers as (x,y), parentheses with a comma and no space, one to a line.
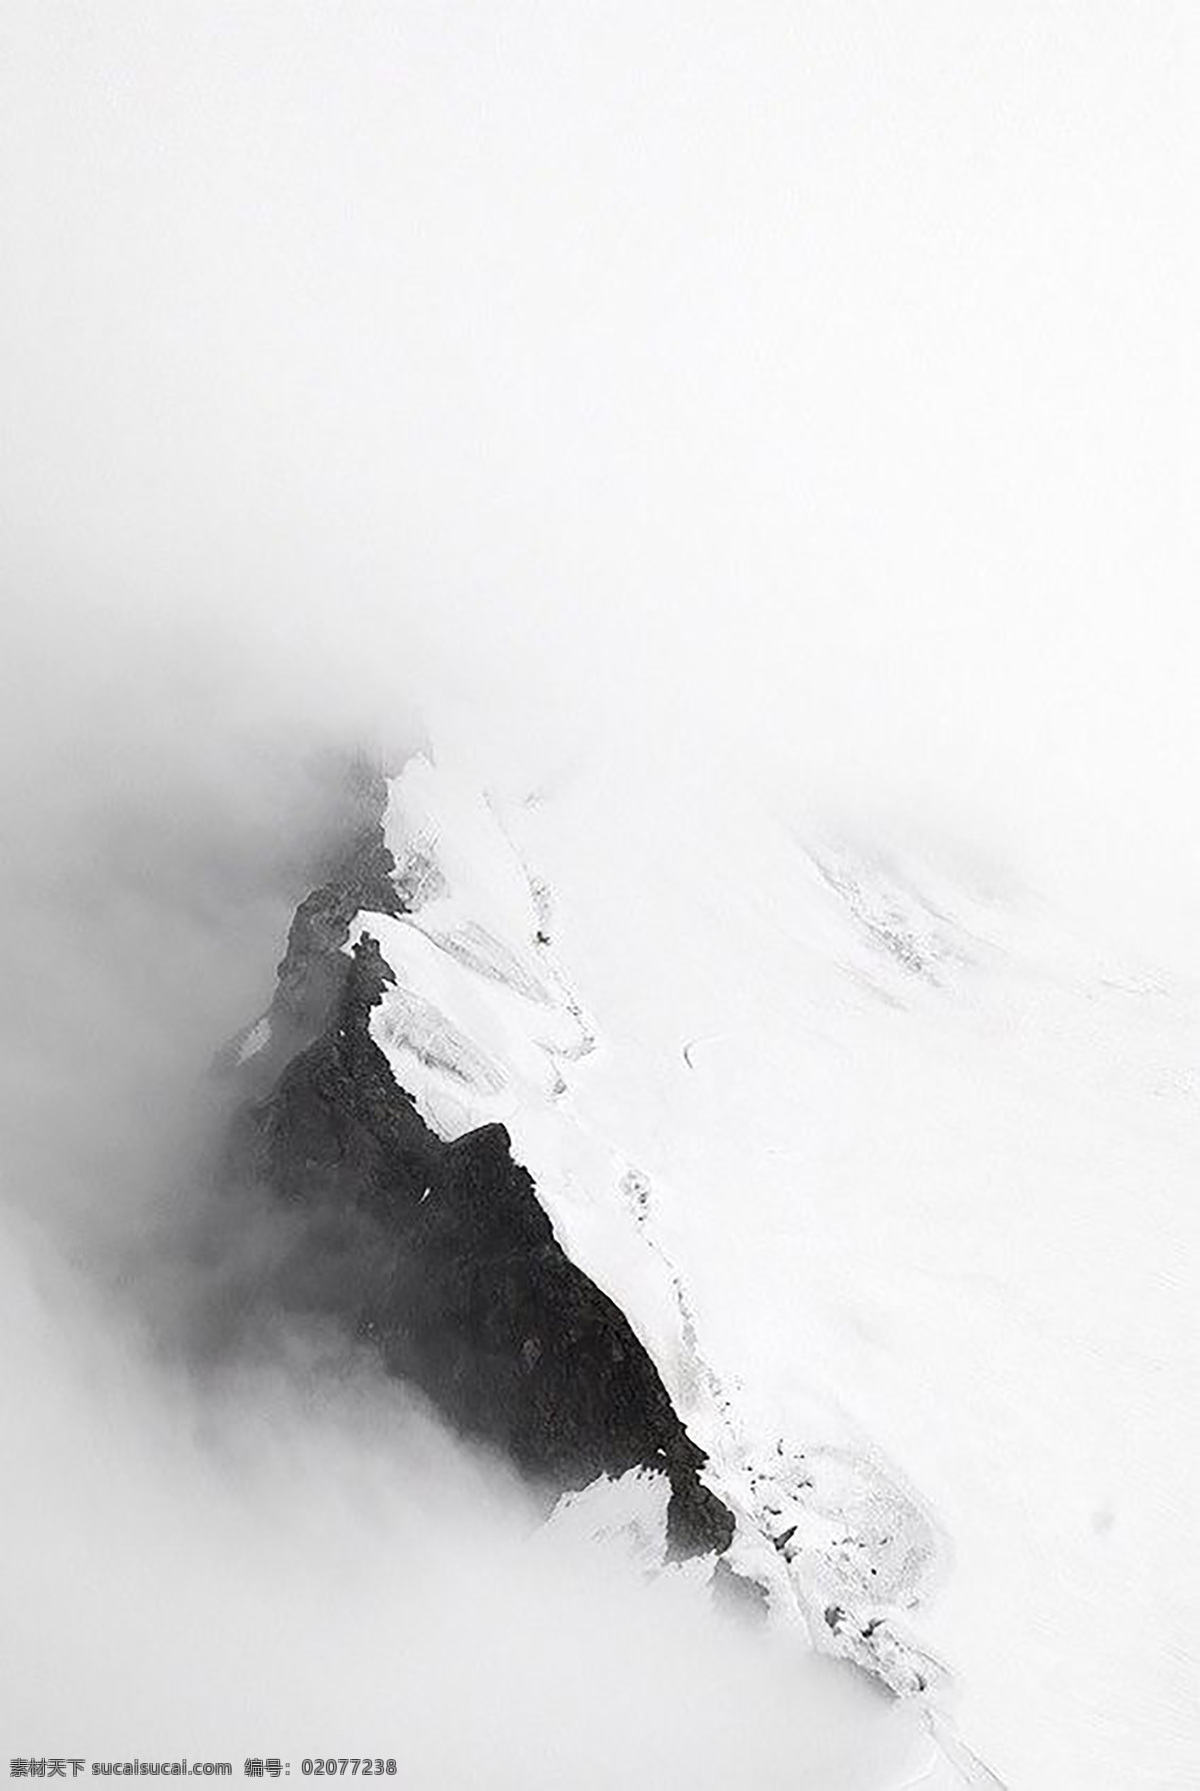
(440,1254)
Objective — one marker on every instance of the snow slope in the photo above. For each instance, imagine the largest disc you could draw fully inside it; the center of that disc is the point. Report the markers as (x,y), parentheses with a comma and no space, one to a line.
(889,1170)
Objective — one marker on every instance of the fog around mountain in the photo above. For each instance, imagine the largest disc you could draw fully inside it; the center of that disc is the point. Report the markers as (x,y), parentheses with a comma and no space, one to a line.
(793,403)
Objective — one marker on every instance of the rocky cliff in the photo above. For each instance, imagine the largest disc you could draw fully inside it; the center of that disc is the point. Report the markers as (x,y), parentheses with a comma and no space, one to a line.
(436,1252)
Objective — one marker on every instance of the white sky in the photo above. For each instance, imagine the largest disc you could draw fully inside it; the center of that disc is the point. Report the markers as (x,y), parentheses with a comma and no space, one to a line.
(835,362)
(832,365)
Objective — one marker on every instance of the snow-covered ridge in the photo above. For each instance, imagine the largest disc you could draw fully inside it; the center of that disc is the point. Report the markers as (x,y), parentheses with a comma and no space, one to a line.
(889,1168)
(484,1023)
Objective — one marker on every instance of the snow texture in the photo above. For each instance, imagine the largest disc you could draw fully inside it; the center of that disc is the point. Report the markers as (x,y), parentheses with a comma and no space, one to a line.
(879,1158)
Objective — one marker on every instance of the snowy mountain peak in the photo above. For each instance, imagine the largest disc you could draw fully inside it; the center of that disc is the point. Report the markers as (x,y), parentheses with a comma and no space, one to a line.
(711,1190)
(430,1074)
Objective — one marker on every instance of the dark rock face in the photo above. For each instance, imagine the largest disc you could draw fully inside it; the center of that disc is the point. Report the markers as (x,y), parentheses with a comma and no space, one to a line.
(441,1254)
